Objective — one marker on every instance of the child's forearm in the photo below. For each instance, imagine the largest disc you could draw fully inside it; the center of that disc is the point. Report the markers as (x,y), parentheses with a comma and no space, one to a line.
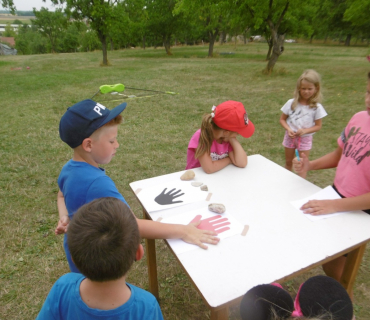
(240,158)
(319,207)
(315,128)
(284,124)
(188,233)
(62,209)
(310,130)
(328,161)
(354,203)
(210,166)
(156,230)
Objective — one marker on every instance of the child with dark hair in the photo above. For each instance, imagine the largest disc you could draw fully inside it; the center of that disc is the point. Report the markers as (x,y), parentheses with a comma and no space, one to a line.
(320,297)
(91,130)
(104,241)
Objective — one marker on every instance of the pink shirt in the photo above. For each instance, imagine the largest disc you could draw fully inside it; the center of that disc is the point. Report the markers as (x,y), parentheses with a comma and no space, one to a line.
(218,151)
(352,177)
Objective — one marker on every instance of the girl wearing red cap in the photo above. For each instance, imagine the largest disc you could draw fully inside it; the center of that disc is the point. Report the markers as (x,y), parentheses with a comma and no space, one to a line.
(214,145)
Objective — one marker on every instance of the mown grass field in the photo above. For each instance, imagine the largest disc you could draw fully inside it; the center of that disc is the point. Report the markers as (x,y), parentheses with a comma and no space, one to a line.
(8,18)
(153,141)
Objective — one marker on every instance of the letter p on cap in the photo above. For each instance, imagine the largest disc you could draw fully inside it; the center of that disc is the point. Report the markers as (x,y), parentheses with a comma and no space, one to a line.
(97,110)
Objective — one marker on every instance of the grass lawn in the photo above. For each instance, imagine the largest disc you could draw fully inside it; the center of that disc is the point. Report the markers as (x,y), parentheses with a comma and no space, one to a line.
(153,141)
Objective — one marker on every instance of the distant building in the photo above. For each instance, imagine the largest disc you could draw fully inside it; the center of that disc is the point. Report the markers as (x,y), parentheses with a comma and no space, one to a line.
(14,26)
(8,40)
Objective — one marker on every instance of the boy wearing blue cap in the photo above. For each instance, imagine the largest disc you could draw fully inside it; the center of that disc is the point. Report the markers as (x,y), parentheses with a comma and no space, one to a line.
(90,129)
(104,241)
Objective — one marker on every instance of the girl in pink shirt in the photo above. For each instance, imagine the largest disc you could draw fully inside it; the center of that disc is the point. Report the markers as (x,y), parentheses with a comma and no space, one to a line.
(352,177)
(214,145)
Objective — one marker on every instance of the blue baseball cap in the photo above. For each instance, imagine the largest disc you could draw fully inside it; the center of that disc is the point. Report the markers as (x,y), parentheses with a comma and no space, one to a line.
(83,118)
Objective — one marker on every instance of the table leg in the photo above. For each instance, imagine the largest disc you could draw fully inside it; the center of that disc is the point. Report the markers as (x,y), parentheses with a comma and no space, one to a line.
(221,314)
(351,267)
(151,258)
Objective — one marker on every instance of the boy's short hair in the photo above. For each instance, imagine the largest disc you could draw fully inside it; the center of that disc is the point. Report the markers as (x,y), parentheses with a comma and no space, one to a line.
(103,238)
(83,118)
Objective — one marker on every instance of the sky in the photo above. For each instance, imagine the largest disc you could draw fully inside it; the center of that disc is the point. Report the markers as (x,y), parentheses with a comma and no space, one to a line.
(28,5)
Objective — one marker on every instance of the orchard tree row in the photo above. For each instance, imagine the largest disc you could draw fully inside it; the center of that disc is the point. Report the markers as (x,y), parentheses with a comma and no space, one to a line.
(82,25)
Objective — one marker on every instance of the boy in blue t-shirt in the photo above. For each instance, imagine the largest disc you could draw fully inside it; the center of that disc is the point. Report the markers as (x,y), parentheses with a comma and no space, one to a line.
(90,129)
(104,241)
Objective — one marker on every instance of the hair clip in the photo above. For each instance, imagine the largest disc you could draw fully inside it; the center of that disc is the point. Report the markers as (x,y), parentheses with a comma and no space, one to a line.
(212,113)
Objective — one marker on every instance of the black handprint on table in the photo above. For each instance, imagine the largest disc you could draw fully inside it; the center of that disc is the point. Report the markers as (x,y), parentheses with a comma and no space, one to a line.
(167,198)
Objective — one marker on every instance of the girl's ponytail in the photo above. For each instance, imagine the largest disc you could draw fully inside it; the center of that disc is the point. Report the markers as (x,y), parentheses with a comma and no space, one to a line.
(206,136)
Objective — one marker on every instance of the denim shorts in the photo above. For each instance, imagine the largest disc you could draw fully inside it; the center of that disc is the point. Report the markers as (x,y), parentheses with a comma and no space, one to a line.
(300,143)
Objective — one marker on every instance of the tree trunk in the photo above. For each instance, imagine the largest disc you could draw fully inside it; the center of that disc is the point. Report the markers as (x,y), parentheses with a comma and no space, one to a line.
(111,45)
(103,40)
(348,40)
(311,38)
(167,44)
(221,38)
(269,42)
(212,38)
(326,38)
(277,50)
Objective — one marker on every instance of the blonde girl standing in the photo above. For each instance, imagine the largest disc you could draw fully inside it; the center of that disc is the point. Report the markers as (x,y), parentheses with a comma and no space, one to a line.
(214,145)
(302,116)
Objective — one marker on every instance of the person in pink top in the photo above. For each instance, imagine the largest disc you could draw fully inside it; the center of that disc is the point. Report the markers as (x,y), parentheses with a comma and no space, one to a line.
(352,177)
(214,145)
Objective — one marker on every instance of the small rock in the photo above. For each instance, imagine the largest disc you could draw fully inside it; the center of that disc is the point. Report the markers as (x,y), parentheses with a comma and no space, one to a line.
(188,175)
(196,183)
(204,188)
(216,207)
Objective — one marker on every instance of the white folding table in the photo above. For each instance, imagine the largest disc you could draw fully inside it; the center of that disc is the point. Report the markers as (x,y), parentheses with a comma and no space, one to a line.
(281,242)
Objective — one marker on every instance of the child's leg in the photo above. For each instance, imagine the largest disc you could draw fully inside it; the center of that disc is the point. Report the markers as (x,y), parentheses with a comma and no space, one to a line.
(289,145)
(289,156)
(304,145)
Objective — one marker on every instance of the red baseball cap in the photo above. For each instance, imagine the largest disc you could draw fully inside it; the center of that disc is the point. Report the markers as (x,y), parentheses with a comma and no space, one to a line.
(231,115)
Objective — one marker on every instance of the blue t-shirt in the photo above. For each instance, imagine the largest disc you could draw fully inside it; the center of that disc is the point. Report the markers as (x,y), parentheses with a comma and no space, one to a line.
(82,183)
(64,302)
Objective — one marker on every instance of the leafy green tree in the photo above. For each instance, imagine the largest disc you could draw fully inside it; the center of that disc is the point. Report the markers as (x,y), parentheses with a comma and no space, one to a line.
(138,22)
(30,41)
(273,13)
(99,14)
(9,31)
(52,25)
(162,21)
(335,17)
(357,13)
(120,32)
(210,14)
(69,41)
(10,5)
(89,40)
